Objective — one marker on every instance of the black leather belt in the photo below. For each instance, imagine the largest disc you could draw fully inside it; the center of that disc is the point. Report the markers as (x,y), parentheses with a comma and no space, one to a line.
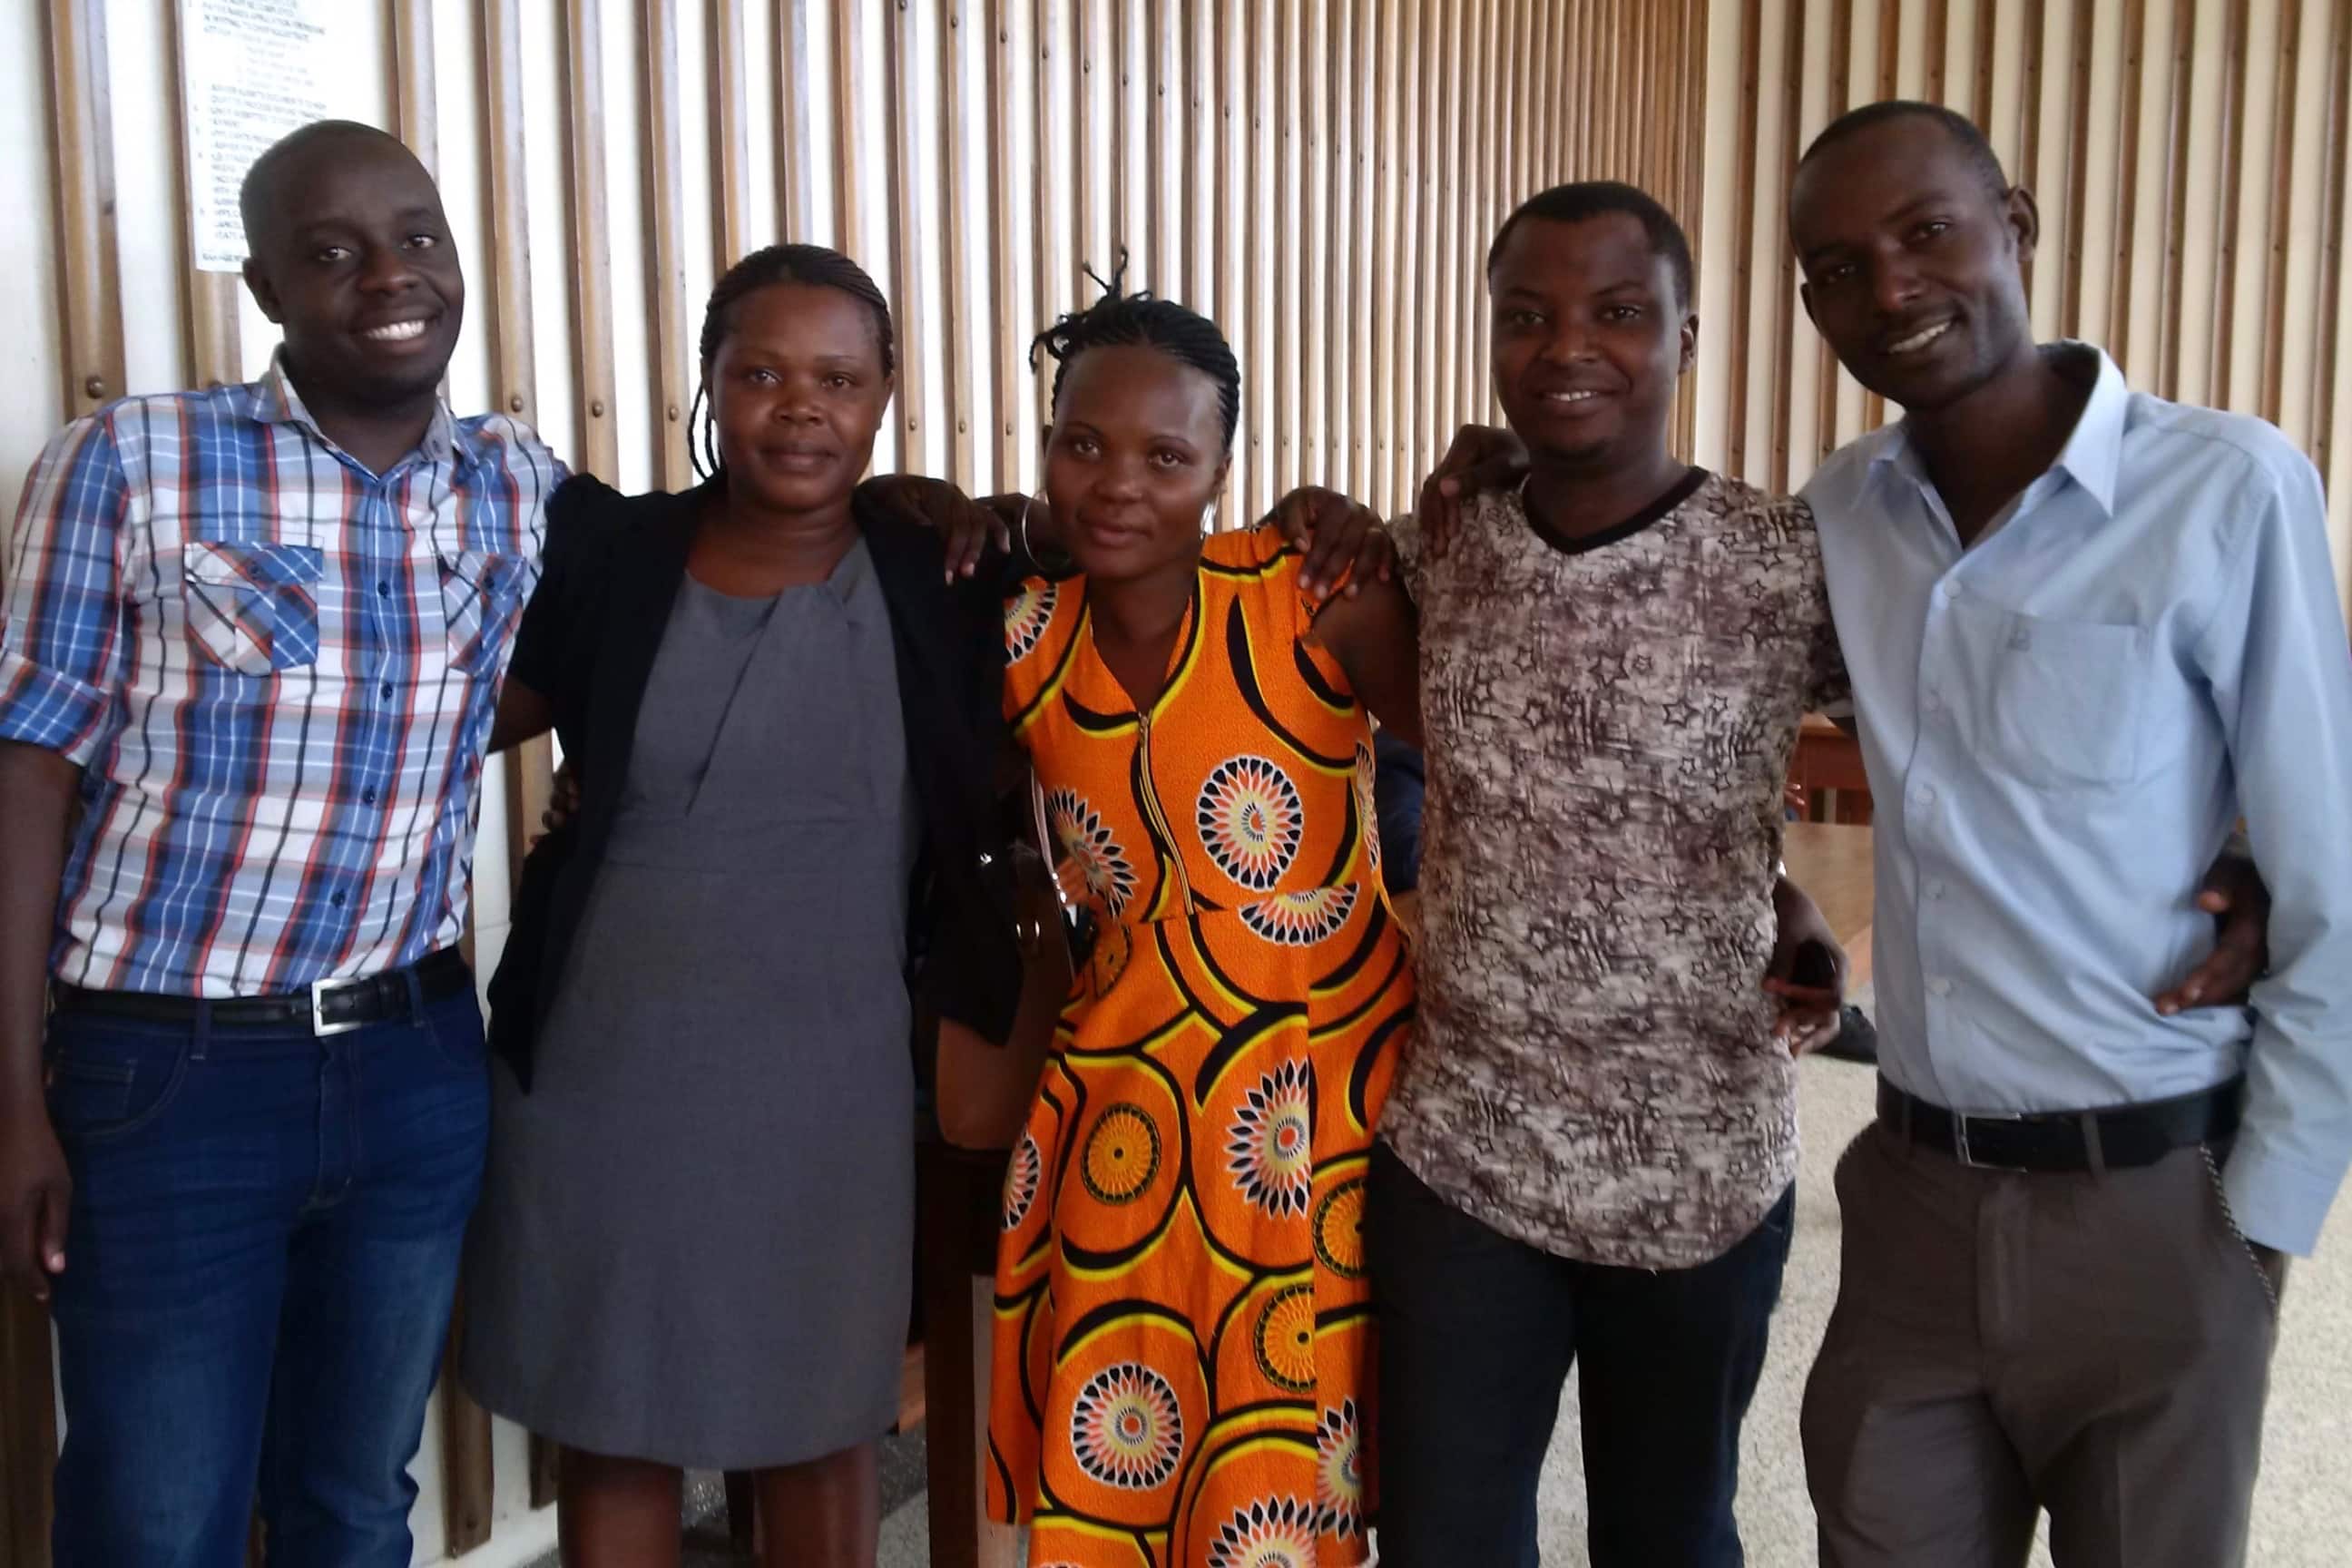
(327,1008)
(2120,1138)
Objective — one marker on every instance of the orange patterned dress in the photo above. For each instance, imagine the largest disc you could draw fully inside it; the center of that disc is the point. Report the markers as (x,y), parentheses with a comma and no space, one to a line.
(1183,1355)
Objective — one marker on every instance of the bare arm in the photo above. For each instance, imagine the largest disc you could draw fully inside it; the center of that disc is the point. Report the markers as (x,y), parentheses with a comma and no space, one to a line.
(36,794)
(523,713)
(1376,637)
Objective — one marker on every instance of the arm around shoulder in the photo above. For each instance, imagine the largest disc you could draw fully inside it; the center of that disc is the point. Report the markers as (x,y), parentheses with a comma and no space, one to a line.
(1376,637)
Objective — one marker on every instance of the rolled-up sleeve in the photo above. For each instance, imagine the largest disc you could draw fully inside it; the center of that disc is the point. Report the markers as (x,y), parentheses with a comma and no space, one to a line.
(61,620)
(2280,669)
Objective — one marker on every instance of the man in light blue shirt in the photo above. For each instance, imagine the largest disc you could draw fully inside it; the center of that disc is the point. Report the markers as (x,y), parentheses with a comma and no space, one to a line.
(2088,630)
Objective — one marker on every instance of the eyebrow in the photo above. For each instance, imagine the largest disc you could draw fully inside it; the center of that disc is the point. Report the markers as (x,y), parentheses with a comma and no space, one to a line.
(328,221)
(1173,438)
(1621,286)
(775,350)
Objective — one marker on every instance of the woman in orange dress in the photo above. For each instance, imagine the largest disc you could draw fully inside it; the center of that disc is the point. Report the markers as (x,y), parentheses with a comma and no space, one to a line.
(1183,1346)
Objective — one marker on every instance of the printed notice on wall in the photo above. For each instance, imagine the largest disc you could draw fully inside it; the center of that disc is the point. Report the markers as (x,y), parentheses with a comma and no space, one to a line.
(255,69)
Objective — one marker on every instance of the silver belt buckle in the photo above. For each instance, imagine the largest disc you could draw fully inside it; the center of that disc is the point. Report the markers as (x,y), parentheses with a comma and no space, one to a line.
(1965,1154)
(320,990)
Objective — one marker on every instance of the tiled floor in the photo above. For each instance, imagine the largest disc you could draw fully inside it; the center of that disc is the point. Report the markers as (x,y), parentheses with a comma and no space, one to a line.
(2303,1510)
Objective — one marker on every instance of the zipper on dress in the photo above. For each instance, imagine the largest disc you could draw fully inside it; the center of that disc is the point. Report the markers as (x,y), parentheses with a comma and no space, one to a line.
(1158,818)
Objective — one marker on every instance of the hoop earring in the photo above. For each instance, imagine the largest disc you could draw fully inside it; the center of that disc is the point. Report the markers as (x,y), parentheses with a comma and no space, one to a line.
(1209,518)
(1027,502)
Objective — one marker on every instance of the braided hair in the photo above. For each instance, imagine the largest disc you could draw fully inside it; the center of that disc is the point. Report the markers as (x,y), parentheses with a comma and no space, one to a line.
(814,265)
(1115,320)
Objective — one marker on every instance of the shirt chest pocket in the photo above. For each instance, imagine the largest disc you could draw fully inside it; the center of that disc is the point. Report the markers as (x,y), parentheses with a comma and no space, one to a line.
(252,608)
(481,596)
(2063,699)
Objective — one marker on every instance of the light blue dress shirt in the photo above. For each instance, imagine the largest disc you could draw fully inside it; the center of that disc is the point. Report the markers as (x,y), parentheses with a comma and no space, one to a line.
(2062,725)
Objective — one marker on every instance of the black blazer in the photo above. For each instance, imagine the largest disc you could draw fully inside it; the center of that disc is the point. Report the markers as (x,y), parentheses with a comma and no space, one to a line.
(611,573)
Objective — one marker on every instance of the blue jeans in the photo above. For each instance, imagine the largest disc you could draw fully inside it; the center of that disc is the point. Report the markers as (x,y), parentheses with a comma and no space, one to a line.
(1477,1334)
(265,1235)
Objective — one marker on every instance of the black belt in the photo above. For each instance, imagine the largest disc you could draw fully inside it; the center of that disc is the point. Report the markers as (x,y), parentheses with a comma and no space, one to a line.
(327,1008)
(2120,1138)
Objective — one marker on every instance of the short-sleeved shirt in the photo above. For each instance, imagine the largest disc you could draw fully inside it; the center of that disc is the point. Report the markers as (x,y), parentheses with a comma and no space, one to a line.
(277,670)
(1610,721)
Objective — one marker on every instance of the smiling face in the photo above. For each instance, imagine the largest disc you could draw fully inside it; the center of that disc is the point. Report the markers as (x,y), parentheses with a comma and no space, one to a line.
(797,394)
(351,258)
(1588,339)
(1136,453)
(1912,263)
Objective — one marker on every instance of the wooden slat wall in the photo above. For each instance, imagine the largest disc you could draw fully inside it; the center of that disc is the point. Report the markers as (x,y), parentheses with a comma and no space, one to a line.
(2189,158)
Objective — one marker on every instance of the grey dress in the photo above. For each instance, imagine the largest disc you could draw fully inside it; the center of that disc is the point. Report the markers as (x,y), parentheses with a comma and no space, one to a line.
(695,1237)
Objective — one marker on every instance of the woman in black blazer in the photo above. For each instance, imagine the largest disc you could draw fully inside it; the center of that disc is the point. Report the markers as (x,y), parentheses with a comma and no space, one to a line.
(696,1238)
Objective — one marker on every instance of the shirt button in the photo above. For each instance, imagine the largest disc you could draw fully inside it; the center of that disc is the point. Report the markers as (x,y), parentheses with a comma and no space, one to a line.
(367,797)
(383,590)
(385,691)
(1936,888)
(337,900)
(1940,987)
(1935,703)
(1925,795)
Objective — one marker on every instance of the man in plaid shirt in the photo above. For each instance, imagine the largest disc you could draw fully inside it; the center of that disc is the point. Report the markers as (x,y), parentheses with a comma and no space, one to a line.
(249,650)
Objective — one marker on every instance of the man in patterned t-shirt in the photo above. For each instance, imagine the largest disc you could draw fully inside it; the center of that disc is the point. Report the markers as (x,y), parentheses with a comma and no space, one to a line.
(1591,1149)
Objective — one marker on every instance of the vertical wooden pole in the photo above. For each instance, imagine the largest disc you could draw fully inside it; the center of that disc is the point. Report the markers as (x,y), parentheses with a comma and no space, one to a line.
(1126,203)
(2271,392)
(82,150)
(852,159)
(1264,157)
(1841,75)
(1365,250)
(2029,130)
(2126,185)
(1159,70)
(1227,122)
(2074,216)
(2168,323)
(795,96)
(1784,298)
(958,161)
(1988,33)
(28,1430)
(1289,283)
(1743,230)
(208,300)
(598,437)
(413,81)
(665,211)
(916,349)
(1192,220)
(1004,372)
(1053,246)
(2337,111)
(1315,282)
(2223,307)
(1096,165)
(730,152)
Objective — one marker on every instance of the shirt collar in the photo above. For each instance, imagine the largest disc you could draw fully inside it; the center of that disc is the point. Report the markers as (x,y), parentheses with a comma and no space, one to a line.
(2092,456)
(277,402)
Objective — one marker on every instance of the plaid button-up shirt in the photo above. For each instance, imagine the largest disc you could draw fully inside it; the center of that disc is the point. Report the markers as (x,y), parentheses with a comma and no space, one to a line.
(277,670)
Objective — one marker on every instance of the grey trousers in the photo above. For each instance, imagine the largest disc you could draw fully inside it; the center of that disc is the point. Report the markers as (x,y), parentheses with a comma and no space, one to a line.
(2097,1346)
